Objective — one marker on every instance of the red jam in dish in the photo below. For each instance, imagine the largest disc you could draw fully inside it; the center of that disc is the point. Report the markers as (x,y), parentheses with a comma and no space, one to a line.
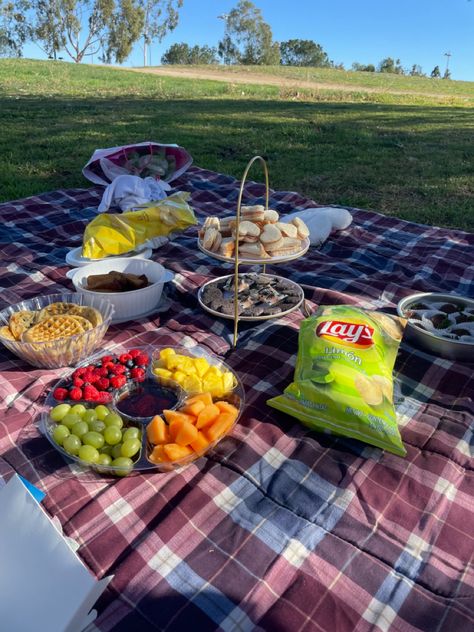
(146,400)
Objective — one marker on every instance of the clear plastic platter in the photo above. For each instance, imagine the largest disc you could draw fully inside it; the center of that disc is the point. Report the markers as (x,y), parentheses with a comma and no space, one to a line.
(258,261)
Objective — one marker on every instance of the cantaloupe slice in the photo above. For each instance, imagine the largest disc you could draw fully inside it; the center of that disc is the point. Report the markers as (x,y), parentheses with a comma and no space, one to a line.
(157,431)
(225,407)
(200,443)
(220,426)
(173,415)
(159,455)
(187,433)
(174,452)
(207,415)
(205,398)
(194,408)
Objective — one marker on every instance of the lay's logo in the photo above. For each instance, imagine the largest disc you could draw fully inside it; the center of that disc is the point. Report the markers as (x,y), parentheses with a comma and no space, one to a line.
(350,334)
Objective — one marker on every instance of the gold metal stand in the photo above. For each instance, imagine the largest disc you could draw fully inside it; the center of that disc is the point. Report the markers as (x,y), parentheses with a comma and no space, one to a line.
(236,258)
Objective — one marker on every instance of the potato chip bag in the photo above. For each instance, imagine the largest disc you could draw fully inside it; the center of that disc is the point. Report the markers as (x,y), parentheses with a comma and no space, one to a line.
(343,377)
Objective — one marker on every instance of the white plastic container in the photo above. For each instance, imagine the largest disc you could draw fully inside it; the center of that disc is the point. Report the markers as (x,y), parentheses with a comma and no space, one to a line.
(128,305)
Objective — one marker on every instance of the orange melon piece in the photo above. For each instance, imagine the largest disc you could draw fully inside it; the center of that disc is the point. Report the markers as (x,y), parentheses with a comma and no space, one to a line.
(220,426)
(207,415)
(174,415)
(200,443)
(159,455)
(174,428)
(194,408)
(175,452)
(225,407)
(157,431)
(186,434)
(205,398)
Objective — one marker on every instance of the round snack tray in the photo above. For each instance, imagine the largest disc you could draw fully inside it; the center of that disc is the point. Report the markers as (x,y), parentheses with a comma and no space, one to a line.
(75,258)
(260,260)
(142,462)
(251,318)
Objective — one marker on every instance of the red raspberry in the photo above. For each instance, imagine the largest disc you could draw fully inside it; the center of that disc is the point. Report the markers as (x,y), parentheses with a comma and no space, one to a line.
(103,397)
(109,365)
(78,382)
(60,393)
(124,358)
(79,372)
(137,374)
(119,369)
(75,393)
(103,371)
(118,381)
(142,359)
(134,353)
(103,384)
(90,393)
(105,359)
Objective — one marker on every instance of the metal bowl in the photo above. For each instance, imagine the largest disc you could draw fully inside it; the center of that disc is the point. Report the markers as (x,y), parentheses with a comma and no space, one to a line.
(437,345)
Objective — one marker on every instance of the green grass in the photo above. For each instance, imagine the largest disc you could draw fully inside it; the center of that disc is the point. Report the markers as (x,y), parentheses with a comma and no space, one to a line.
(410,161)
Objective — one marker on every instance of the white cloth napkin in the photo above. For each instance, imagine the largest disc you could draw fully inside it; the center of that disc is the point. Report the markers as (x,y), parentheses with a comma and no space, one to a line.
(128,192)
(321,221)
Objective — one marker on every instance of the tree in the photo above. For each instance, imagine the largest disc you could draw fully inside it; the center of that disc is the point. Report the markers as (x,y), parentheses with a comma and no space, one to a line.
(436,73)
(416,71)
(160,17)
(184,54)
(248,38)
(124,31)
(298,52)
(363,68)
(390,65)
(447,74)
(14,28)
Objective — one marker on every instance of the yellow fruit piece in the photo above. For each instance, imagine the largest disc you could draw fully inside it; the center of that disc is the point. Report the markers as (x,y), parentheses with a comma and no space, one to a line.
(163,373)
(201,365)
(214,370)
(179,376)
(165,353)
(172,362)
(192,384)
(227,381)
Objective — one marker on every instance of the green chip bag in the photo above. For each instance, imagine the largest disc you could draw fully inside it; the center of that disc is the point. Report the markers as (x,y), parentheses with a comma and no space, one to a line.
(343,378)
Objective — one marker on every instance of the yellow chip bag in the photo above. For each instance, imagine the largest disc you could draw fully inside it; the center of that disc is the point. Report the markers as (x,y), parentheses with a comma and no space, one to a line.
(113,234)
(343,377)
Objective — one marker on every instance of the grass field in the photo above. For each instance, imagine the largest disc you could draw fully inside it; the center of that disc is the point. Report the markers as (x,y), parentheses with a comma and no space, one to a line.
(405,148)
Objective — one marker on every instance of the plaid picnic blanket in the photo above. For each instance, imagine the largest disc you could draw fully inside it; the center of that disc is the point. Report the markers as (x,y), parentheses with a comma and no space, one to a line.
(279,528)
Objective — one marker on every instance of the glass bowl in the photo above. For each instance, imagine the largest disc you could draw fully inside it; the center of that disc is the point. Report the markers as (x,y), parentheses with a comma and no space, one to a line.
(63,351)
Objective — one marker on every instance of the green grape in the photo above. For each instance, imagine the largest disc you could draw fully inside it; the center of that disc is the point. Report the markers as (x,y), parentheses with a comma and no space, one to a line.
(60,432)
(117,451)
(113,419)
(88,453)
(106,449)
(93,439)
(80,428)
(130,447)
(70,419)
(78,409)
(112,435)
(58,412)
(104,459)
(97,426)
(123,465)
(72,444)
(89,416)
(101,411)
(131,433)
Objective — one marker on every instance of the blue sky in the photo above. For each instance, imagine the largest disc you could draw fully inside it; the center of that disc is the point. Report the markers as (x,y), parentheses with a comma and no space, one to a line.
(416,31)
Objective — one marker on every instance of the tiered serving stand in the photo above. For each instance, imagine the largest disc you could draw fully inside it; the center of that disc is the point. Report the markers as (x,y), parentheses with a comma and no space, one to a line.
(239,260)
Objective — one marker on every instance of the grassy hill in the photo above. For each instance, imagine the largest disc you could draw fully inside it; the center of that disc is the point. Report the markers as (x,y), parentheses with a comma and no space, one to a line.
(399,145)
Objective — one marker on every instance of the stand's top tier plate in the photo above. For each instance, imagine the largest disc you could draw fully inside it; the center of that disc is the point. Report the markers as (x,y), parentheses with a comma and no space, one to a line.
(259,260)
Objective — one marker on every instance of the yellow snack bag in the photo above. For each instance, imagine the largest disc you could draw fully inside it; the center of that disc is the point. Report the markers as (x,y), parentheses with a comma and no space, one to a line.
(343,377)
(109,234)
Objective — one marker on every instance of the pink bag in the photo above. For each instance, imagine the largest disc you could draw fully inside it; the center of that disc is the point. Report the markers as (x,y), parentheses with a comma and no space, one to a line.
(162,162)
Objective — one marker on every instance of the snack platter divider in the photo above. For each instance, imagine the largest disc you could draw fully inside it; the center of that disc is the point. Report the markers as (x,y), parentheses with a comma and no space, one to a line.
(249,261)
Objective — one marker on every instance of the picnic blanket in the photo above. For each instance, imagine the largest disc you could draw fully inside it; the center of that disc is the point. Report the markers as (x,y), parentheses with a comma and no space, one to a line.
(279,528)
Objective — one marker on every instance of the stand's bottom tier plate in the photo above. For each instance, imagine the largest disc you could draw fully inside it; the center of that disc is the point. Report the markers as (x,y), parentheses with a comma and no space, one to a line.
(260,296)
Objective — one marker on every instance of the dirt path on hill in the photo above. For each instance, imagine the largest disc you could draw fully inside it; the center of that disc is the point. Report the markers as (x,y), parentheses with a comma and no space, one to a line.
(269,80)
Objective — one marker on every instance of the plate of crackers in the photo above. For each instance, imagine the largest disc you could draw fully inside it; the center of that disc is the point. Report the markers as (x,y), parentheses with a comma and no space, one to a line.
(262,237)
(55,330)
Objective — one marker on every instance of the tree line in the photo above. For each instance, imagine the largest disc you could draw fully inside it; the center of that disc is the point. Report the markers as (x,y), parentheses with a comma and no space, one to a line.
(111,28)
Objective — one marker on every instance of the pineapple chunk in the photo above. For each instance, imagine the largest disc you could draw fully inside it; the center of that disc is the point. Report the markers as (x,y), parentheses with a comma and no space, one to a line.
(163,373)
(227,381)
(165,353)
(192,384)
(201,365)
(179,376)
